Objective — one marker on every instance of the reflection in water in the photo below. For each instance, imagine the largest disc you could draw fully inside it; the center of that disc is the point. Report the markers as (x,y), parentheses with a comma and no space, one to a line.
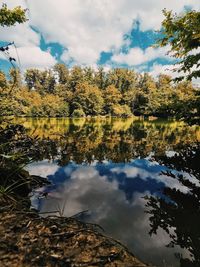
(106,166)
(112,193)
(182,210)
(119,140)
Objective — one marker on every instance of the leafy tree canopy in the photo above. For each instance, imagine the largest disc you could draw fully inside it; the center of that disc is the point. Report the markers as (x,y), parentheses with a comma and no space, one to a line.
(9,17)
(182,33)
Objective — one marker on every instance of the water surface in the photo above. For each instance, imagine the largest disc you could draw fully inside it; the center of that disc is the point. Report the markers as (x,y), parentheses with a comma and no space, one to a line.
(106,167)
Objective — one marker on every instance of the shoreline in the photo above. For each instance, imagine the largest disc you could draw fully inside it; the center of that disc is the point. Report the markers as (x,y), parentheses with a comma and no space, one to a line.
(29,240)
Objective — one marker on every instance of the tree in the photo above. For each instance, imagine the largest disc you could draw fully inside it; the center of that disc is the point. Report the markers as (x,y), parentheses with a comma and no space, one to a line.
(129,98)
(88,98)
(15,77)
(121,111)
(177,211)
(77,88)
(78,113)
(42,81)
(48,81)
(100,78)
(62,73)
(182,33)
(112,97)
(147,87)
(10,17)
(185,101)
(88,73)
(54,106)
(76,77)
(32,78)
(160,101)
(147,83)
(3,81)
(122,79)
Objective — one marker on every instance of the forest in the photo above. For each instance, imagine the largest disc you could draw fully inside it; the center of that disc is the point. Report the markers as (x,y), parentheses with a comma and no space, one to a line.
(108,164)
(85,91)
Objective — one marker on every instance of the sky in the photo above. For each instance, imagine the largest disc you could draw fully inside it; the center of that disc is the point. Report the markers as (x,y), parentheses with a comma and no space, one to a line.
(111,33)
(109,192)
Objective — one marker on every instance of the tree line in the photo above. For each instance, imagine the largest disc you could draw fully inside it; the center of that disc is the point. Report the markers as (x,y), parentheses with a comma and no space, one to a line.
(84,91)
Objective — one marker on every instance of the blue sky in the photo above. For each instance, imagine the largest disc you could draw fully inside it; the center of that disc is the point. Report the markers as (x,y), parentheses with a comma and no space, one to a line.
(111,33)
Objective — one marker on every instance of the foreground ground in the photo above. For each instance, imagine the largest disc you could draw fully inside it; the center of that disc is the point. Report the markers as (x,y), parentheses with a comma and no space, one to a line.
(28,240)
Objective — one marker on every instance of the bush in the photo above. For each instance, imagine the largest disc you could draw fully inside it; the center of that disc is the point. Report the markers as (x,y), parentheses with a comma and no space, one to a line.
(78,113)
(121,111)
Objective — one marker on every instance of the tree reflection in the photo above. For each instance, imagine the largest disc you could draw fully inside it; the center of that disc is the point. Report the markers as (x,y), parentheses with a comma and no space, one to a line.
(178,211)
(118,140)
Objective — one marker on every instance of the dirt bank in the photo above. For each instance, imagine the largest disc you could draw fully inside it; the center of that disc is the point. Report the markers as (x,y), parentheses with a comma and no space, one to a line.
(28,240)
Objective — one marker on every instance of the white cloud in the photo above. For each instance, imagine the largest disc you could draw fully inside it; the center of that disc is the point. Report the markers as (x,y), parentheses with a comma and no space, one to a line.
(13,4)
(80,54)
(22,34)
(87,28)
(135,172)
(42,168)
(27,42)
(137,56)
(32,57)
(170,70)
(166,69)
(150,12)
(108,207)
(84,173)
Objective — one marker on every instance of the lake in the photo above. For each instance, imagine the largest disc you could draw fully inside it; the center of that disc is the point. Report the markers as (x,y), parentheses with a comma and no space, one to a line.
(103,168)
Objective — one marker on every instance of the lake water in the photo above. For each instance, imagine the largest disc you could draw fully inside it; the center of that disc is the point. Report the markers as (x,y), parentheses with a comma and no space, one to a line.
(105,167)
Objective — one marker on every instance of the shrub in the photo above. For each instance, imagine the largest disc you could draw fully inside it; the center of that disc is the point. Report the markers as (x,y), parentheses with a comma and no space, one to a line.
(78,113)
(121,111)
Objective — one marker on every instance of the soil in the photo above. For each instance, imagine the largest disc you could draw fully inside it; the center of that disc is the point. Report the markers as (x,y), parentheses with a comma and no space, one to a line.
(29,240)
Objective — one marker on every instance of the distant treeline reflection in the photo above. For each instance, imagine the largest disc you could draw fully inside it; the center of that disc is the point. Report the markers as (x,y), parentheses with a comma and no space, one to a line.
(118,140)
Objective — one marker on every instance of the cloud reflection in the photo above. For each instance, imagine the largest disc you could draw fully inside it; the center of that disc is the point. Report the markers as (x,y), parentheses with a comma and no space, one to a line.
(113,194)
